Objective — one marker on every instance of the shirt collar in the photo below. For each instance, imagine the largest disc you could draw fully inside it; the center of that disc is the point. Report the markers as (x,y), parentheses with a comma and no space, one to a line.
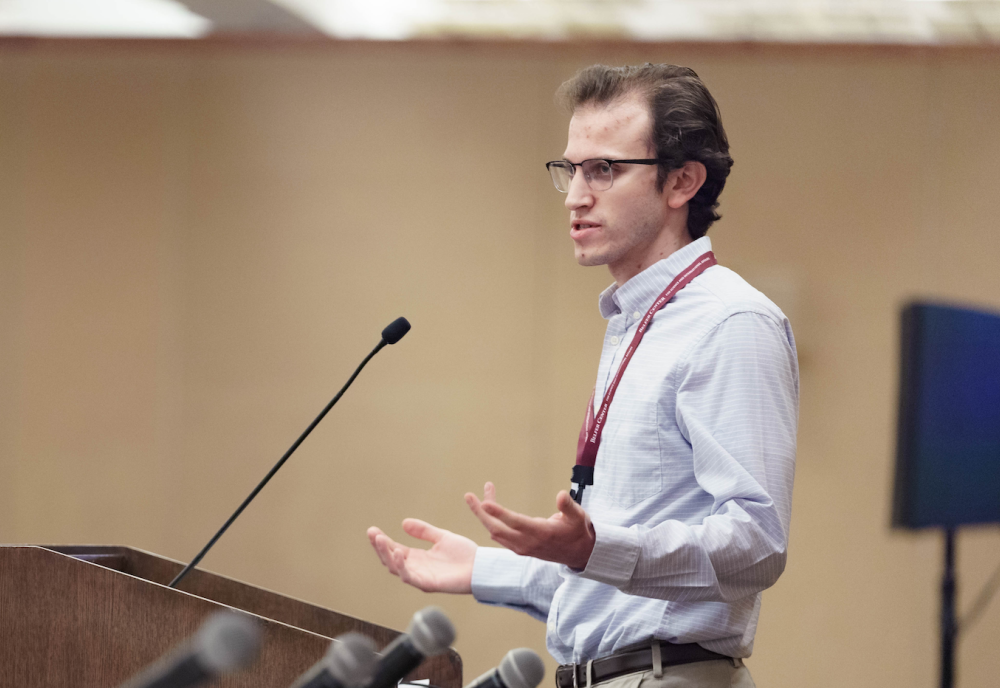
(638,294)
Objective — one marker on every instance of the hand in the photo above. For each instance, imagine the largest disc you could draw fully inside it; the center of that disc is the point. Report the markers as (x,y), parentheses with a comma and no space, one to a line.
(445,567)
(566,537)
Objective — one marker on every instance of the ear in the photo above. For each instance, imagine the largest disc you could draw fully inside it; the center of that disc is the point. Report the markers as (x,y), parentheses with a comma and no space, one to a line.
(683,183)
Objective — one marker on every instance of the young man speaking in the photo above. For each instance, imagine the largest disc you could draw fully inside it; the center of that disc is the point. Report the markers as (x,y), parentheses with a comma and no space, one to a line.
(653,566)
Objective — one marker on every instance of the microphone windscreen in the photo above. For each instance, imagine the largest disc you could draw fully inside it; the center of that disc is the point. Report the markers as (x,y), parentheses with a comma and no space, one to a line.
(521,668)
(396,330)
(430,631)
(352,660)
(227,641)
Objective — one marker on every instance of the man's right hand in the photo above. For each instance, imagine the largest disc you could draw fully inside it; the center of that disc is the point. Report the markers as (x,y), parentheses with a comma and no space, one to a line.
(445,567)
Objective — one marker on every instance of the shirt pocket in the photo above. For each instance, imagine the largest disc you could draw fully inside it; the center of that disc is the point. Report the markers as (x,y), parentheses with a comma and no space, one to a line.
(629,468)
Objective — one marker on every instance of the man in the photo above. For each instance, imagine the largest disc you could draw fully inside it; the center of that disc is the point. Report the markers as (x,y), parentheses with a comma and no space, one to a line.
(657,576)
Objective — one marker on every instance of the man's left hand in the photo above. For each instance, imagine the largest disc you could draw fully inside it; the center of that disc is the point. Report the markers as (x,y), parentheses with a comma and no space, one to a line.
(566,537)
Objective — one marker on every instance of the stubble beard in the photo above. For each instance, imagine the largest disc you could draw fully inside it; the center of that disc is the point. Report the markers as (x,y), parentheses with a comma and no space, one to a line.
(623,246)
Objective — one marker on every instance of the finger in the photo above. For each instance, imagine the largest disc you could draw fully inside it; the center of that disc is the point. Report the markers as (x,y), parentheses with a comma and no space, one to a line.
(388,551)
(373,537)
(494,513)
(510,518)
(422,530)
(380,549)
(475,505)
(516,541)
(489,492)
(496,527)
(399,566)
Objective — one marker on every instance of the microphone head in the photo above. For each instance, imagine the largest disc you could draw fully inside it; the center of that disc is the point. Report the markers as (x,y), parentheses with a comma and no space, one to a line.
(431,631)
(227,641)
(521,668)
(395,330)
(352,660)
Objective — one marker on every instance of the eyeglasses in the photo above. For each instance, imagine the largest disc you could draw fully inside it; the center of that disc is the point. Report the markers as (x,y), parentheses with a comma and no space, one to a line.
(597,172)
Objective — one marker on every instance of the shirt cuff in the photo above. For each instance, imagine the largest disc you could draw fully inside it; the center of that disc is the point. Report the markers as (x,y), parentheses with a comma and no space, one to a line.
(616,552)
(497,576)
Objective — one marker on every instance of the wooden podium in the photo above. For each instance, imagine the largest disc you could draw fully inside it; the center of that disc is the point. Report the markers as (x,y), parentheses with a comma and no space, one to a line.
(92,616)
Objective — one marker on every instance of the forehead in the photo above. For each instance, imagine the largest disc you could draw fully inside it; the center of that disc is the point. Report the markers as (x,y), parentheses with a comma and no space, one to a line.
(614,130)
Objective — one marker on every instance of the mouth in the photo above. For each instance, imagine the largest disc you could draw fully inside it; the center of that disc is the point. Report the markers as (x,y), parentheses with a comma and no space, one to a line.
(579,228)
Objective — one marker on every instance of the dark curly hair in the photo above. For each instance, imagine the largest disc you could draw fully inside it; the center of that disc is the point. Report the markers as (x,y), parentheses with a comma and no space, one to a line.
(687,124)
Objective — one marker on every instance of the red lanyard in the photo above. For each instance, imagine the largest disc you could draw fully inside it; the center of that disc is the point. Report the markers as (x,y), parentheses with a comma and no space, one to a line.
(590,433)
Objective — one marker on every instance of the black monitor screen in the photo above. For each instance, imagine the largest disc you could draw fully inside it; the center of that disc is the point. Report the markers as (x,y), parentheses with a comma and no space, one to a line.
(948,447)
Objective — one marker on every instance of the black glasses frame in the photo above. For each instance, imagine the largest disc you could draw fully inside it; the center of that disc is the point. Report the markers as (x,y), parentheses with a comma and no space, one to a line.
(610,161)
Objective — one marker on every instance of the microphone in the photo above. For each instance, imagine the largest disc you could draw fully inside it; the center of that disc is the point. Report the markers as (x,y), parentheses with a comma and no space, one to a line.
(520,668)
(227,641)
(390,335)
(349,663)
(395,330)
(430,633)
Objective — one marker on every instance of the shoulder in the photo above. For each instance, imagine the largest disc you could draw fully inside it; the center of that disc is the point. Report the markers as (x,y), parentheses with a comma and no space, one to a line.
(726,311)
(723,293)
(718,307)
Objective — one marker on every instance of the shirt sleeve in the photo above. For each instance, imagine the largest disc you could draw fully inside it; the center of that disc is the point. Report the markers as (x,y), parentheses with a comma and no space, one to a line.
(737,406)
(502,578)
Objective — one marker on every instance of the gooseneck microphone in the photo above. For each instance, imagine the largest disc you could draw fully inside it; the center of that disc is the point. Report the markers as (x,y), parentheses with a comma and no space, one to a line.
(430,633)
(520,668)
(349,663)
(394,331)
(390,335)
(225,643)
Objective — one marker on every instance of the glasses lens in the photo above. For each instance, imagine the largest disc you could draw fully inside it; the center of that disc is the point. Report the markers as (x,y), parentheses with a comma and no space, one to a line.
(562,174)
(598,174)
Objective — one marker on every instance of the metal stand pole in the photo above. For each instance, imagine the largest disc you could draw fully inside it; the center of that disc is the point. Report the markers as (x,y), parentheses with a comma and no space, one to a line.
(948,625)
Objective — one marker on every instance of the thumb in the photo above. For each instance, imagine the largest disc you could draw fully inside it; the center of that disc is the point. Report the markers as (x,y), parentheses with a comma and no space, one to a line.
(422,530)
(568,507)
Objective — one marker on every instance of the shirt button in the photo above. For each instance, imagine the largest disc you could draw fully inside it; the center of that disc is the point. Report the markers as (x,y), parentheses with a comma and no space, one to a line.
(614,341)
(637,315)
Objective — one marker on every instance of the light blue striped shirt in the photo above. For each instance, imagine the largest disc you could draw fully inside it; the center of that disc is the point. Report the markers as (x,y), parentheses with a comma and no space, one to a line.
(692,490)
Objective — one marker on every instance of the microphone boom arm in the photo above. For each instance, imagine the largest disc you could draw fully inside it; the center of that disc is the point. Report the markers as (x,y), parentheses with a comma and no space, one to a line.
(215,538)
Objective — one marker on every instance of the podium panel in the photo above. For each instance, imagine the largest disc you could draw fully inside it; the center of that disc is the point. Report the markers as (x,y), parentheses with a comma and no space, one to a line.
(92,616)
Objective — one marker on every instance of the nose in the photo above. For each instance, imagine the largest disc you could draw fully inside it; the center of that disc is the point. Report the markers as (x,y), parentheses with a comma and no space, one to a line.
(580,194)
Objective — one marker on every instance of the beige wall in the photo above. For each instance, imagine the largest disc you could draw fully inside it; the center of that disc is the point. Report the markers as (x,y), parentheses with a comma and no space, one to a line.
(199,241)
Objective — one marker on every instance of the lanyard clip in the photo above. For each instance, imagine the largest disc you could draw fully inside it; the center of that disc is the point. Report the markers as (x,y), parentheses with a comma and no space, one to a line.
(582,476)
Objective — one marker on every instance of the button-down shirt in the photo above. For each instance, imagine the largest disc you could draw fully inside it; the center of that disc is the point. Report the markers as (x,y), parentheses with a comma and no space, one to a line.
(693,484)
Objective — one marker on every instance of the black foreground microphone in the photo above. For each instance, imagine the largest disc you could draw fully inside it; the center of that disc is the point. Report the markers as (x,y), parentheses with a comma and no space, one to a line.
(349,663)
(390,335)
(430,633)
(520,668)
(225,642)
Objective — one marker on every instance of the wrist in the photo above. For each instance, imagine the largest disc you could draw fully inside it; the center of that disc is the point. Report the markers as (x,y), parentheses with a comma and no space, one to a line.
(585,550)
(498,576)
(614,556)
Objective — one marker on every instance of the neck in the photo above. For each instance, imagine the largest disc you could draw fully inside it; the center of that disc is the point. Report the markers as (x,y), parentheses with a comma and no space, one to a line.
(665,244)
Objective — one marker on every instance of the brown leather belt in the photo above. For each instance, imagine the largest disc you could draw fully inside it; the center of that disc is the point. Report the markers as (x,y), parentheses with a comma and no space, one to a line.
(631,661)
